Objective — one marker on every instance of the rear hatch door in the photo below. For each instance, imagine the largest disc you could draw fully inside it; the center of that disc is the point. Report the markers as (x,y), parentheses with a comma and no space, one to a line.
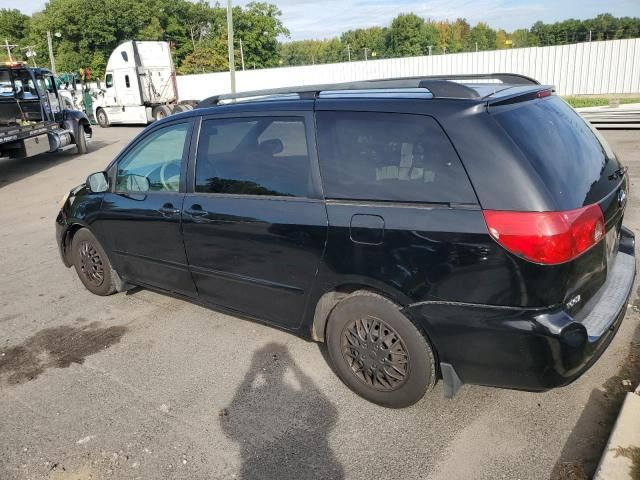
(577,167)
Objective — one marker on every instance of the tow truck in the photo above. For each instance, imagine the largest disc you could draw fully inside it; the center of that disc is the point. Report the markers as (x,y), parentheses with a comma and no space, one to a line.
(33,117)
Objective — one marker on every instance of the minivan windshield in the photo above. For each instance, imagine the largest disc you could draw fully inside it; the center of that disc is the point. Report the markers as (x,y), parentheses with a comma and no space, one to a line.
(562,148)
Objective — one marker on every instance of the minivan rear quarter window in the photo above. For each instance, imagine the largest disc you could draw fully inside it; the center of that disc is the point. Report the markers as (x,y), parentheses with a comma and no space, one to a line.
(389,157)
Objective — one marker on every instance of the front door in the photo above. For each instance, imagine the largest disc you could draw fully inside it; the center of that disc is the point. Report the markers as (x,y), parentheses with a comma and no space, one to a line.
(255,227)
(141,215)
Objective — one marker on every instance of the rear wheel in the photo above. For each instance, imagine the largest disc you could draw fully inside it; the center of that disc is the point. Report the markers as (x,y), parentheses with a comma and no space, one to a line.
(92,265)
(101,117)
(182,108)
(160,112)
(378,353)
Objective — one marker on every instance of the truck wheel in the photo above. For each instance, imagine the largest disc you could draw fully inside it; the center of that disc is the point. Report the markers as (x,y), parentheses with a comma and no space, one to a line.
(182,108)
(160,112)
(102,118)
(378,352)
(81,141)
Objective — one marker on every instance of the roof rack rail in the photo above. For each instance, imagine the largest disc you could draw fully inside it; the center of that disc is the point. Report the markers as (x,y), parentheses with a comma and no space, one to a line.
(509,78)
(440,86)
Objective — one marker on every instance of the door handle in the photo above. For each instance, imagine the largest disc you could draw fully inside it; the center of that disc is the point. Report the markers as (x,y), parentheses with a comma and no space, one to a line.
(196,211)
(168,210)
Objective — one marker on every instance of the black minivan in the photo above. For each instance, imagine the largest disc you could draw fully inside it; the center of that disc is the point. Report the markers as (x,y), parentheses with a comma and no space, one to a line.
(467,228)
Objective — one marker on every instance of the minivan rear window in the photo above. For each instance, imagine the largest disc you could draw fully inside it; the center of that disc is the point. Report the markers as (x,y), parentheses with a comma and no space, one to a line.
(389,157)
(562,149)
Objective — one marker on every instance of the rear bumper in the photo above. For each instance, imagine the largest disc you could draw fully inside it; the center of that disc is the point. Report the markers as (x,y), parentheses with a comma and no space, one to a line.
(529,349)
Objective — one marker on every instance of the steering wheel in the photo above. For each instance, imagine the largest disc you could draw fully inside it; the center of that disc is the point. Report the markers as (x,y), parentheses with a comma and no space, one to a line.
(170,180)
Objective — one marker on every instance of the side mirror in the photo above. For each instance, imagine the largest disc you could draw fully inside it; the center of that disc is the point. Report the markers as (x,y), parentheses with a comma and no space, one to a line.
(97,182)
(271,147)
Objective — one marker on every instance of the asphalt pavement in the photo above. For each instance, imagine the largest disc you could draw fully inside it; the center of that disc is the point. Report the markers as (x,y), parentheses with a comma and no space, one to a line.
(142,385)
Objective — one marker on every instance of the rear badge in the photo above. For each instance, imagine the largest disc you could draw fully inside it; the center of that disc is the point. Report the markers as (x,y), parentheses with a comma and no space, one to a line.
(573,302)
(622,198)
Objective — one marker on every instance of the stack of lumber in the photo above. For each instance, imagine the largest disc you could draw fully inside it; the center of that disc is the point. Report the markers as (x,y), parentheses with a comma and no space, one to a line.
(622,116)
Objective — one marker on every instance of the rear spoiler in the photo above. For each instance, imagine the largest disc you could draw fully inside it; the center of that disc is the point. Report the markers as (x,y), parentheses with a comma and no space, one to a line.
(518,94)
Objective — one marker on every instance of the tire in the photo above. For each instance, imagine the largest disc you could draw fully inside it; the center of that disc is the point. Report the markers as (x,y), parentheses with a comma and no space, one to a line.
(102,118)
(160,112)
(92,264)
(81,141)
(182,108)
(353,327)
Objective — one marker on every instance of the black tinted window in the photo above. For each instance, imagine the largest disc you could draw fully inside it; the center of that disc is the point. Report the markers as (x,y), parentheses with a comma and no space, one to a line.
(253,156)
(562,148)
(389,156)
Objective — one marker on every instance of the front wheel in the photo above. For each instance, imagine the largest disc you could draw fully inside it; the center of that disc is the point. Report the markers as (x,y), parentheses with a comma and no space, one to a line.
(81,141)
(378,352)
(103,119)
(92,265)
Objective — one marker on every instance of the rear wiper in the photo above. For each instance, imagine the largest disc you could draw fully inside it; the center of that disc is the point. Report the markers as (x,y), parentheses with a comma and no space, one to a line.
(618,173)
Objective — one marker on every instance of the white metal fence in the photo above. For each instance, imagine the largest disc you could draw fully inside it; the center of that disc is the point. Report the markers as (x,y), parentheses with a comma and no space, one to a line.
(579,69)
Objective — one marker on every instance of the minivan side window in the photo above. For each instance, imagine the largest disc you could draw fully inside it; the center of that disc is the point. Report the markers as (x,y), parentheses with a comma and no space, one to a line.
(389,157)
(155,163)
(253,156)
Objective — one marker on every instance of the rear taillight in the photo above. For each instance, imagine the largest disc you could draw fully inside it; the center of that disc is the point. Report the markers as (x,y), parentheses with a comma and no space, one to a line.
(547,237)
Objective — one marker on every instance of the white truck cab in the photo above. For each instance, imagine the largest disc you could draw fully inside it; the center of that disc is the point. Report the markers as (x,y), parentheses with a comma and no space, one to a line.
(139,85)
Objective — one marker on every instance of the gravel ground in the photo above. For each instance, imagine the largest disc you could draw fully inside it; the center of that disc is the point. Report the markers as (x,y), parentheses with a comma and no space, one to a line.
(142,385)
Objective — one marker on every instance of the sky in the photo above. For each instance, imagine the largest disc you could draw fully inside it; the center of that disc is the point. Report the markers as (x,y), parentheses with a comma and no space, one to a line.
(328,18)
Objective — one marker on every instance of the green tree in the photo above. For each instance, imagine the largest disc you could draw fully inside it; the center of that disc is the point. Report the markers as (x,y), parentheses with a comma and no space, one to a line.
(482,37)
(153,31)
(202,60)
(405,36)
(502,40)
(13,29)
(373,39)
(460,34)
(523,38)
(98,64)
(259,27)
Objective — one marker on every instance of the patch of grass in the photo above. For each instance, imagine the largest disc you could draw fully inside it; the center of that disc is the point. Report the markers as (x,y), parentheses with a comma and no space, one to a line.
(589,101)
(633,454)
(572,471)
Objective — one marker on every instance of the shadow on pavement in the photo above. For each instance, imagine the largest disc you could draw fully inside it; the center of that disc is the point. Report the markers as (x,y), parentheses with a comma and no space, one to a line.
(281,421)
(584,447)
(15,169)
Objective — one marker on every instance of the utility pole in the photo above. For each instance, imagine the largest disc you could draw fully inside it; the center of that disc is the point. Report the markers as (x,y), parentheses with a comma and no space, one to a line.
(349,50)
(241,55)
(232,66)
(9,47)
(589,35)
(429,47)
(444,50)
(31,53)
(476,46)
(365,54)
(52,60)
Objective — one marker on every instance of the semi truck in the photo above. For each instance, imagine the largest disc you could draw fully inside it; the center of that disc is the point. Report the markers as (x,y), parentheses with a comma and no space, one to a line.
(139,85)
(33,117)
